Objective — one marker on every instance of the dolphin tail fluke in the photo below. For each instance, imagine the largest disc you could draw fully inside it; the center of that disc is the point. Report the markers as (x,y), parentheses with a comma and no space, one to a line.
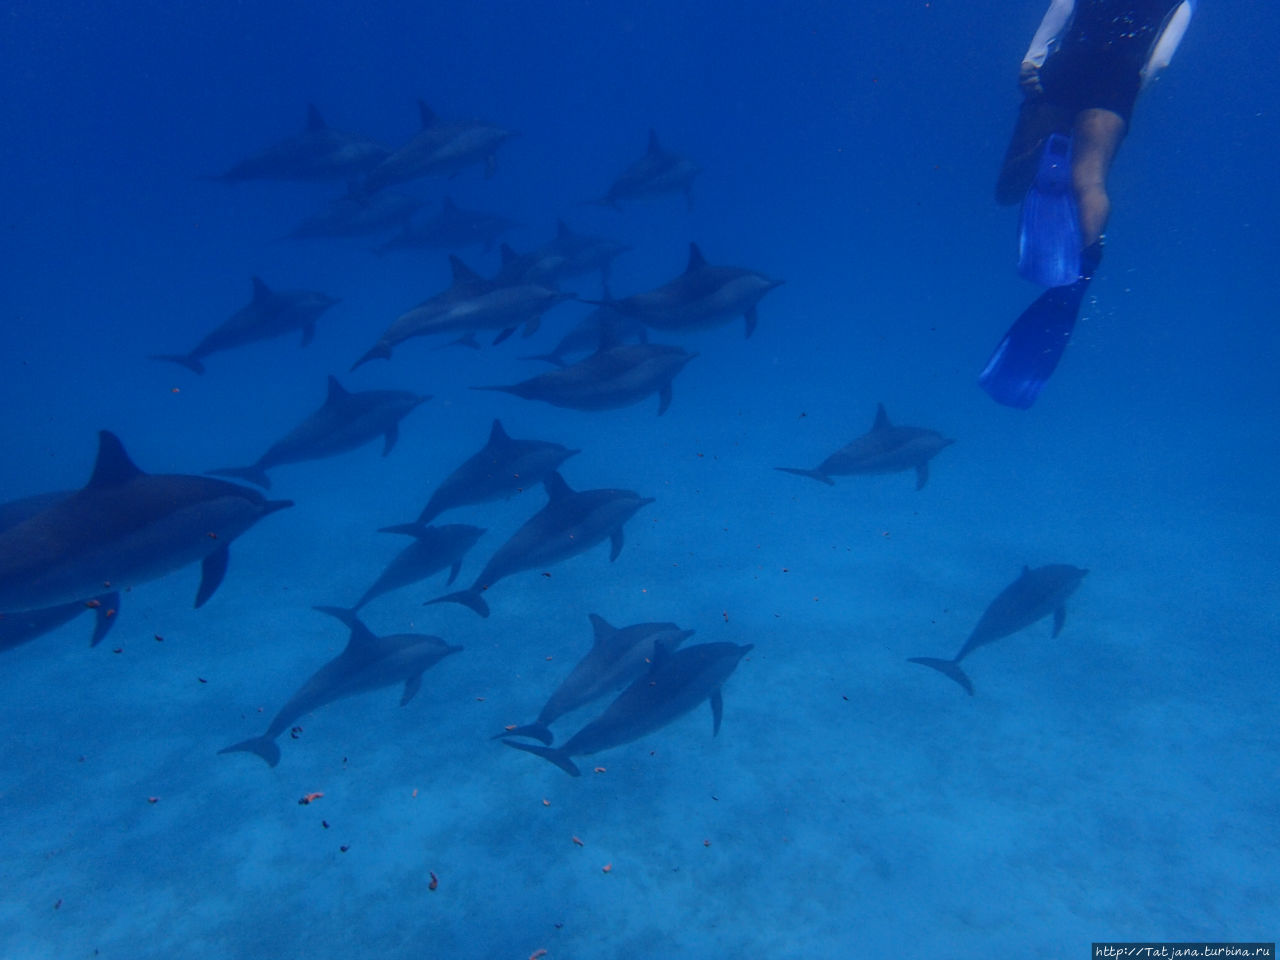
(253,473)
(537,730)
(949,667)
(183,359)
(265,747)
(815,474)
(556,756)
(379,351)
(468,598)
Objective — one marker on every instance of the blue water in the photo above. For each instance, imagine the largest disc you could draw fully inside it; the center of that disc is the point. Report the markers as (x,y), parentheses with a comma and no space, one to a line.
(1118,782)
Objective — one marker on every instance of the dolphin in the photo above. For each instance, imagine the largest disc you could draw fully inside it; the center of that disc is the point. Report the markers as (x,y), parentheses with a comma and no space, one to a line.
(883,449)
(567,254)
(442,148)
(617,657)
(501,307)
(270,314)
(701,297)
(26,625)
(1033,596)
(416,322)
(123,528)
(572,522)
(656,172)
(503,466)
(343,422)
(359,215)
(317,153)
(616,375)
(585,335)
(433,549)
(366,663)
(674,684)
(451,229)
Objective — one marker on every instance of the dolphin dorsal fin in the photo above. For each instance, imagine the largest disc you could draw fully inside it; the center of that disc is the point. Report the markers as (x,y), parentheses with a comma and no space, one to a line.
(337,391)
(882,419)
(601,628)
(361,639)
(497,435)
(557,489)
(113,466)
(426,116)
(696,259)
(562,230)
(507,254)
(314,120)
(260,290)
(655,147)
(461,272)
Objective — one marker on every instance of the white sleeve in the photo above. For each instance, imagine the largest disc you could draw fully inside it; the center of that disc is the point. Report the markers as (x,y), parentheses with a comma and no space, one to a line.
(1163,51)
(1051,26)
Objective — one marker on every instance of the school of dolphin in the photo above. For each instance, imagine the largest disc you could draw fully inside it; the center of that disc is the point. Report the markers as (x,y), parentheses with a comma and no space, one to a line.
(67,552)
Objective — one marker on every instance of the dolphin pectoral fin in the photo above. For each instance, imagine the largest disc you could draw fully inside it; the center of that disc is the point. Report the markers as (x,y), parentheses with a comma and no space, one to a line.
(664,398)
(468,598)
(615,544)
(922,474)
(815,474)
(531,327)
(453,572)
(752,319)
(212,571)
(539,731)
(1059,618)
(265,747)
(717,711)
(392,436)
(556,756)
(308,334)
(411,688)
(503,334)
(184,359)
(108,605)
(949,667)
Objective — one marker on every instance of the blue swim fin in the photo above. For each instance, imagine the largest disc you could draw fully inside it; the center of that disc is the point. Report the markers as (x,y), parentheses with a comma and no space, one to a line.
(1030,351)
(1049,233)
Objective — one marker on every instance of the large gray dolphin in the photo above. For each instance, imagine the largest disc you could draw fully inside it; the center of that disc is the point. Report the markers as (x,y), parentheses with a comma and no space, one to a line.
(359,215)
(343,422)
(675,684)
(317,153)
(441,148)
(24,626)
(451,229)
(703,296)
(658,171)
(617,657)
(366,663)
(433,549)
(504,466)
(585,335)
(271,313)
(573,521)
(123,528)
(884,449)
(616,375)
(567,254)
(1033,596)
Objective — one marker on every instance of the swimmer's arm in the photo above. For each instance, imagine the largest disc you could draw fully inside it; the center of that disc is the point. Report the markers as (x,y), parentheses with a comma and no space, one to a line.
(1055,19)
(1164,49)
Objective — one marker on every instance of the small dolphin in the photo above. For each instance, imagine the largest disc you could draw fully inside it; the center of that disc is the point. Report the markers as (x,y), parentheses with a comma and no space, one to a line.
(616,375)
(451,229)
(343,422)
(26,625)
(656,172)
(317,153)
(416,322)
(701,297)
(123,528)
(442,148)
(500,307)
(675,684)
(366,663)
(502,467)
(617,657)
(1033,596)
(270,314)
(572,522)
(585,335)
(883,449)
(567,254)
(433,549)
(359,215)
